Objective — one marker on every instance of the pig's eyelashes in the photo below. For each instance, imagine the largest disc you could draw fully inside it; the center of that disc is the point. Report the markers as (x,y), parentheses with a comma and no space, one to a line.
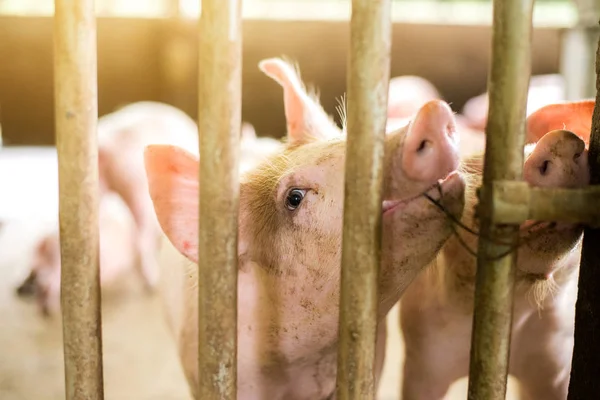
(294,199)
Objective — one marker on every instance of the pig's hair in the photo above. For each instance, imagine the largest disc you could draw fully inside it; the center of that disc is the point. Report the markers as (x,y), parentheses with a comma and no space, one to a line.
(342,109)
(539,290)
(310,89)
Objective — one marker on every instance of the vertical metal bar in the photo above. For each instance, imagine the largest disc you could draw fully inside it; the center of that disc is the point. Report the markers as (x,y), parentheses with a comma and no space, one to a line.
(508,83)
(584,383)
(76,114)
(219,121)
(368,78)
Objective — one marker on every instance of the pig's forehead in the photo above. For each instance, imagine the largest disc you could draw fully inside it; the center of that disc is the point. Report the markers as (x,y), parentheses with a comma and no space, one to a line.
(315,152)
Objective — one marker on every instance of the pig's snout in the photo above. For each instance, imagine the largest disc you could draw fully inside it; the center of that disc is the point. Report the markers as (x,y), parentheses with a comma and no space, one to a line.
(558,160)
(27,288)
(430,149)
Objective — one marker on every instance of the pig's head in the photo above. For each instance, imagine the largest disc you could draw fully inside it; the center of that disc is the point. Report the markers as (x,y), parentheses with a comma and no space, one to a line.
(556,156)
(290,218)
(43,282)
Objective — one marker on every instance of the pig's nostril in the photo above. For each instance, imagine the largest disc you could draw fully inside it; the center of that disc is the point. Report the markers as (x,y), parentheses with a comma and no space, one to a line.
(576,156)
(422,146)
(544,167)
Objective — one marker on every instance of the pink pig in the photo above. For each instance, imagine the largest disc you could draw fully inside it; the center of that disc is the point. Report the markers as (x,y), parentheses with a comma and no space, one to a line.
(407,94)
(290,226)
(543,90)
(117,255)
(122,137)
(437,310)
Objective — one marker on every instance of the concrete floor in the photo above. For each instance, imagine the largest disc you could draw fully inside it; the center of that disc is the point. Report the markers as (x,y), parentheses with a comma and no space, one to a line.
(140,360)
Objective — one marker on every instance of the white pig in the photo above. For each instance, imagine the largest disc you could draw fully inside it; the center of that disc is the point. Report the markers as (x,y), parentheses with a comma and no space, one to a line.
(122,137)
(117,254)
(543,90)
(437,310)
(290,228)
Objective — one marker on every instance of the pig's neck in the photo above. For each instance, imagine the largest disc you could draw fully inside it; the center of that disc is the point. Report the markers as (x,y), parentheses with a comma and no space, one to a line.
(287,337)
(454,272)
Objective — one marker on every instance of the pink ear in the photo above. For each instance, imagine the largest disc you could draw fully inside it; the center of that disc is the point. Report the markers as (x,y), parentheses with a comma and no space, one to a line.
(572,116)
(173,183)
(306,119)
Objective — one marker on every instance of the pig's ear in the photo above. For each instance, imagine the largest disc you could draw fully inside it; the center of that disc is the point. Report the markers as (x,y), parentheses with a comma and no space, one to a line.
(173,183)
(306,119)
(572,116)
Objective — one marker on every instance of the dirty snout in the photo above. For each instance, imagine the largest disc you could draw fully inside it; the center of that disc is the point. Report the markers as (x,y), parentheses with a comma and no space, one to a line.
(424,152)
(560,160)
(430,150)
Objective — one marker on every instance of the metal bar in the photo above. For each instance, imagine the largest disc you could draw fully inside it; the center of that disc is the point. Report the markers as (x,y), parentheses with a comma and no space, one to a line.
(76,115)
(368,78)
(219,121)
(516,201)
(585,365)
(505,132)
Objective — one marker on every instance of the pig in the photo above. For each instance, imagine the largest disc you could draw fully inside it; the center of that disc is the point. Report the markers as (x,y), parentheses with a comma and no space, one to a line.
(289,243)
(254,149)
(122,137)
(117,255)
(408,93)
(436,311)
(543,90)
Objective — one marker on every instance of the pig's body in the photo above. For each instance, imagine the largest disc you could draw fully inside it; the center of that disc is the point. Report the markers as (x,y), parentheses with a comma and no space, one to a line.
(117,254)
(289,246)
(122,137)
(437,309)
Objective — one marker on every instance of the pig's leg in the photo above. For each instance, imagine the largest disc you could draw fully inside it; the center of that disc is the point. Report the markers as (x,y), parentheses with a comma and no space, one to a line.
(437,341)
(541,357)
(126,176)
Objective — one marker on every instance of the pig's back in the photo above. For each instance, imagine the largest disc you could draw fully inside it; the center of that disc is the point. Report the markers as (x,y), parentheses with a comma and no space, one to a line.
(143,123)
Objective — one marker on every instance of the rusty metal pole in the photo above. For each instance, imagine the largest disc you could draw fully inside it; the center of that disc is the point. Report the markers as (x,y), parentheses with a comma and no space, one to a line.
(368,78)
(219,121)
(76,116)
(585,365)
(508,82)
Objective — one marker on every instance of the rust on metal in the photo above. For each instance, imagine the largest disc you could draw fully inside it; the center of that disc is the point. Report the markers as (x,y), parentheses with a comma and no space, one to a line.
(76,116)
(368,78)
(219,121)
(516,202)
(505,132)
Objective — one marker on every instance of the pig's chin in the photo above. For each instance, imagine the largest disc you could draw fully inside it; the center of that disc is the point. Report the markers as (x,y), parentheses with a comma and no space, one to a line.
(450,187)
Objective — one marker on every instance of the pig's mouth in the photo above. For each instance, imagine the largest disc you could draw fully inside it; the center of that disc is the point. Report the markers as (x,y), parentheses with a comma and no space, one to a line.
(433,191)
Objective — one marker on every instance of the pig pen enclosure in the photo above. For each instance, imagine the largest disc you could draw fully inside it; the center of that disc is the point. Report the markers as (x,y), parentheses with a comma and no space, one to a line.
(505,199)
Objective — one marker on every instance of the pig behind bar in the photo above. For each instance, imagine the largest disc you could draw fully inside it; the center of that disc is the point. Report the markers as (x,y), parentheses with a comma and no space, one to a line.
(290,239)
(129,232)
(437,310)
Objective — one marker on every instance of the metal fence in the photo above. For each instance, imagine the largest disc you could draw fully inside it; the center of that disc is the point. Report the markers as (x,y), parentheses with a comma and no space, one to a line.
(220,81)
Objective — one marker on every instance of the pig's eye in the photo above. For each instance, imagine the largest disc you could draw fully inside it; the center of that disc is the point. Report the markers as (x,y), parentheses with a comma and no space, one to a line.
(544,167)
(294,198)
